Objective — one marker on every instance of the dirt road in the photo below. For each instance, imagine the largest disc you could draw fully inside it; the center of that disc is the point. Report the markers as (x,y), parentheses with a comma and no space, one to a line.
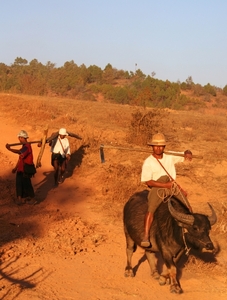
(71,246)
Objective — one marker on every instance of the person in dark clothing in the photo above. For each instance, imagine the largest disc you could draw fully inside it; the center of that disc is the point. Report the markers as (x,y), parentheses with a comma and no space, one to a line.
(60,156)
(24,189)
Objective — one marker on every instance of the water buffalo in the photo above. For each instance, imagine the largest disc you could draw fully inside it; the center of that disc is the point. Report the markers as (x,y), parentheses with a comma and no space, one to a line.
(174,230)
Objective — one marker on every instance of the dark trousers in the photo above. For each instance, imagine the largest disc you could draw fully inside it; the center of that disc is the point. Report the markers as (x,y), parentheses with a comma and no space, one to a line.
(58,157)
(24,186)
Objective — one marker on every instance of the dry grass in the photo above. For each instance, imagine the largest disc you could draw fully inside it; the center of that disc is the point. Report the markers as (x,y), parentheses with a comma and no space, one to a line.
(119,177)
(110,124)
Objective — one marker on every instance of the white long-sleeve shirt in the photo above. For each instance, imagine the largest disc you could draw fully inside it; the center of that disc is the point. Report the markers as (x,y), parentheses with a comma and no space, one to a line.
(58,148)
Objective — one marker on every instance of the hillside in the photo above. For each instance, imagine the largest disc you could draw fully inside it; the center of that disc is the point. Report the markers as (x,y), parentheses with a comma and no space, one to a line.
(71,244)
(109,85)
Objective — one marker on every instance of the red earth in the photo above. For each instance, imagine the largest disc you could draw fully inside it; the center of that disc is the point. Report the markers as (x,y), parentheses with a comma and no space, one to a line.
(71,244)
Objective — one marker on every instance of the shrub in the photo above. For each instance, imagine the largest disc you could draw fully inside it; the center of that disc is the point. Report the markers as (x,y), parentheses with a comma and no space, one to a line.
(225,90)
(210,89)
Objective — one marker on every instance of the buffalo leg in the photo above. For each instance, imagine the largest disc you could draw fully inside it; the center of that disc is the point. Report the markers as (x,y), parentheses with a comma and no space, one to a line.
(130,248)
(152,263)
(174,283)
(169,276)
(165,276)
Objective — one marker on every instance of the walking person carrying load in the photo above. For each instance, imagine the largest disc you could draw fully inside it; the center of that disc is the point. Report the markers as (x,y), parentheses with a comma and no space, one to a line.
(60,152)
(24,170)
(60,156)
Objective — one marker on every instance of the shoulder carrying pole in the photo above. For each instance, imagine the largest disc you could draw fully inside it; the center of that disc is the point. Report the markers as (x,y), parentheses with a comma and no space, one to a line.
(19,144)
(102,156)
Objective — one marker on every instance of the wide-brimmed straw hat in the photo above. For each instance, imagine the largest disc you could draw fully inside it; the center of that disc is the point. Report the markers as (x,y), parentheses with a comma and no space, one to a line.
(158,139)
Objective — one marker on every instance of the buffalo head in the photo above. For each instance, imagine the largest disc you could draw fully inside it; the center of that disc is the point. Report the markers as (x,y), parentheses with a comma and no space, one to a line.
(189,218)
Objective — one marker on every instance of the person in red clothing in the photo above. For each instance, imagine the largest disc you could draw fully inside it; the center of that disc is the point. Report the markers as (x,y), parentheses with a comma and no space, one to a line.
(24,189)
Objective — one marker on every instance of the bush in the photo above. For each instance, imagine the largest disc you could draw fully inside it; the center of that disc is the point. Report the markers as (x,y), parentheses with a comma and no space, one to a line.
(144,125)
(210,89)
(225,90)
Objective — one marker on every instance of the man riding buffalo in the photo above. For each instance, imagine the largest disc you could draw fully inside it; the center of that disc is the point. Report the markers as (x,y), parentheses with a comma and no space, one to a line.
(159,174)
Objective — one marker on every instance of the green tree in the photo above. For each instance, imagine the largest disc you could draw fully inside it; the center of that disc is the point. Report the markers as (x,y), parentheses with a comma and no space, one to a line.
(95,74)
(198,90)
(19,61)
(109,74)
(121,95)
(225,90)
(189,82)
(140,74)
(210,89)
(4,71)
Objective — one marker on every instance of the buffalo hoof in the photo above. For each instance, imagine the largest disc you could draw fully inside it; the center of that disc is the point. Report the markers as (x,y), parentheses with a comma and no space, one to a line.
(129,273)
(175,289)
(155,275)
(162,280)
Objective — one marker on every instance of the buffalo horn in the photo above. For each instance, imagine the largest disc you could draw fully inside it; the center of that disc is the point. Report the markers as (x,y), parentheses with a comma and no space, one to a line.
(213,217)
(184,218)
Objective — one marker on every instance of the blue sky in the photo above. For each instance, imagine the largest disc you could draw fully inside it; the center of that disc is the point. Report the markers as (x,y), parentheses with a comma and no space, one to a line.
(173,38)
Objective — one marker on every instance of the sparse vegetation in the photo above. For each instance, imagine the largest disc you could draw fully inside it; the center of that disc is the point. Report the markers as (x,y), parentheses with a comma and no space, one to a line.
(107,186)
(116,86)
(146,123)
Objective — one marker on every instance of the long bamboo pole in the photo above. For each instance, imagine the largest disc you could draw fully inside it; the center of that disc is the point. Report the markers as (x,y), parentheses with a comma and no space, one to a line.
(141,150)
(19,144)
